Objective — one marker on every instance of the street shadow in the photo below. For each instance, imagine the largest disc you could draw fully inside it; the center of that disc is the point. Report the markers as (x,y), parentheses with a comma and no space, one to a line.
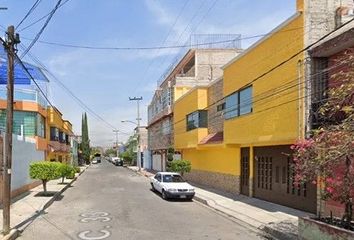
(64,183)
(45,194)
(18,197)
(59,198)
(171,199)
(255,202)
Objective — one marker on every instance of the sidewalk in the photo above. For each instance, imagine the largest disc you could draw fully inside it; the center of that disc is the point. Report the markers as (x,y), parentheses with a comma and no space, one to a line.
(27,206)
(279,221)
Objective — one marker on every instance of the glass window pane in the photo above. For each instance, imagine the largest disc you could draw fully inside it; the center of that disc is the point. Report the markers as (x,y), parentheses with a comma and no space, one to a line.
(203,119)
(231,106)
(246,101)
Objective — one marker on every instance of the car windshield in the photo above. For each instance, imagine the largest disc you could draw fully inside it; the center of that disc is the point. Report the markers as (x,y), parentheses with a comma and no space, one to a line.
(172,178)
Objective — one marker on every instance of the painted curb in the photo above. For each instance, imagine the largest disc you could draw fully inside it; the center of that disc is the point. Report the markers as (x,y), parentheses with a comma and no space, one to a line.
(15,231)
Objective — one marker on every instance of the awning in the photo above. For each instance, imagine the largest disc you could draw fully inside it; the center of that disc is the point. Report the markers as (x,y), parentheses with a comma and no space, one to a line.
(20,74)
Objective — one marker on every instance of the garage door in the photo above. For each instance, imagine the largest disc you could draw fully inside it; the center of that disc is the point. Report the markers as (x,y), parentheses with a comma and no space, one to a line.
(273,179)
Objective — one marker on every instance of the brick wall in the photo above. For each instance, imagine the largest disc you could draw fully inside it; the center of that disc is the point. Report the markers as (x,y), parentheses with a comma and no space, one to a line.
(159,135)
(215,118)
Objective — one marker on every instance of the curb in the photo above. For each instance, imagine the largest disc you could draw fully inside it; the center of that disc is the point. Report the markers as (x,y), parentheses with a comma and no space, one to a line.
(57,194)
(15,231)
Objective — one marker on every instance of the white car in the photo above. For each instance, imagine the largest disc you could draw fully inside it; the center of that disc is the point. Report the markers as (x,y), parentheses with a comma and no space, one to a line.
(171,185)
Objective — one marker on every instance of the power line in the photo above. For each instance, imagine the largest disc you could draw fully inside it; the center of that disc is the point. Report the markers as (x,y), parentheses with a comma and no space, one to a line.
(140,48)
(163,43)
(275,92)
(42,29)
(296,54)
(63,86)
(41,18)
(34,6)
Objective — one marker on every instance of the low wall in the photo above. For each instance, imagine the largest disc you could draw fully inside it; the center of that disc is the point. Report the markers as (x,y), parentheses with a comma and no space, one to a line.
(310,229)
(224,182)
(24,153)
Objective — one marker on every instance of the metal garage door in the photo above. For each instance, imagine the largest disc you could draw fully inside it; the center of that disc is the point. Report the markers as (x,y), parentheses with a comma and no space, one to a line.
(273,179)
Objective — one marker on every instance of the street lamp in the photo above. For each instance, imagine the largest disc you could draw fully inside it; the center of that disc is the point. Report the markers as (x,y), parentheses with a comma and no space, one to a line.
(128,121)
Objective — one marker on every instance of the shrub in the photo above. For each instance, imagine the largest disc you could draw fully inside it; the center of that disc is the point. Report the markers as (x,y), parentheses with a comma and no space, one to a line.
(77,169)
(180,166)
(45,171)
(66,171)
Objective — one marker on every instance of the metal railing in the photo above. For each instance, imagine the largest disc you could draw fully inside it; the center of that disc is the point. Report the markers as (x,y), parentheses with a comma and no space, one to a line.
(27,95)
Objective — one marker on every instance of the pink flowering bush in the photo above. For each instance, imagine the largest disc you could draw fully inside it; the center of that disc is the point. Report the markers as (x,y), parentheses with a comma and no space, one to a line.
(328,156)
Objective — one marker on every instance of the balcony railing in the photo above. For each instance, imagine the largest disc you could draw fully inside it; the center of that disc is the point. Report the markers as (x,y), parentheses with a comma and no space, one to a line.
(27,95)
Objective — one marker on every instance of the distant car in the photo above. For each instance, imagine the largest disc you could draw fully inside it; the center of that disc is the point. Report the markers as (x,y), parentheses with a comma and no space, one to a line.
(171,185)
(94,161)
(117,161)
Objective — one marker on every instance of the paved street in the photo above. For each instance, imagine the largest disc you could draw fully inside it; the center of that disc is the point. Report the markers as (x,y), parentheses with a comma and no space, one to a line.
(109,202)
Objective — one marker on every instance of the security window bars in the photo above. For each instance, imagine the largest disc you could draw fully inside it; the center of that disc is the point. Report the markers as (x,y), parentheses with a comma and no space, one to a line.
(197,119)
(239,103)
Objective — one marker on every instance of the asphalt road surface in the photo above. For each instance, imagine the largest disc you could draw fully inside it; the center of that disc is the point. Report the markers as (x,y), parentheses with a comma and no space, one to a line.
(109,202)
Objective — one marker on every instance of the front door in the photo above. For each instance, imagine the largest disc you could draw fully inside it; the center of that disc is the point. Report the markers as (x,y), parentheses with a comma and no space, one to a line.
(245,170)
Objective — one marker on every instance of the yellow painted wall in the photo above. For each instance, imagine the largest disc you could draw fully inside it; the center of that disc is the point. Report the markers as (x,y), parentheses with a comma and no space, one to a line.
(55,119)
(180,91)
(195,99)
(68,128)
(221,160)
(274,119)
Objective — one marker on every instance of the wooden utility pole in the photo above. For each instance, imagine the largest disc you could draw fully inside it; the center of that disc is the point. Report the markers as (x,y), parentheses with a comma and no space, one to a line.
(9,43)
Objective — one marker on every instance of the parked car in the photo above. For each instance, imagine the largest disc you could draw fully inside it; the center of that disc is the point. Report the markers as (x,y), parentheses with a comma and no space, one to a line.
(117,161)
(94,161)
(171,185)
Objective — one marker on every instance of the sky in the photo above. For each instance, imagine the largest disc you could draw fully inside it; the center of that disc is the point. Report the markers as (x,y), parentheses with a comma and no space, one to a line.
(105,79)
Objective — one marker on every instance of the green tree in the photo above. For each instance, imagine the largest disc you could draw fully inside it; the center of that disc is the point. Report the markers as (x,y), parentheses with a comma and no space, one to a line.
(45,171)
(66,171)
(85,141)
(180,166)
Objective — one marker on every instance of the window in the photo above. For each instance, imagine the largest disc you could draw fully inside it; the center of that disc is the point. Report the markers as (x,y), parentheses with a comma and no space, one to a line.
(220,107)
(238,103)
(28,123)
(40,126)
(231,106)
(197,119)
(245,101)
(54,134)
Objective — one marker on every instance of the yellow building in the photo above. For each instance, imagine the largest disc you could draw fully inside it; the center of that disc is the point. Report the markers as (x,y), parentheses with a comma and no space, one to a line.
(199,137)
(58,135)
(244,145)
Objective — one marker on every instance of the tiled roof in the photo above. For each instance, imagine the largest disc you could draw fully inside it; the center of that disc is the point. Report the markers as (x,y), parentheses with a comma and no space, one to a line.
(213,138)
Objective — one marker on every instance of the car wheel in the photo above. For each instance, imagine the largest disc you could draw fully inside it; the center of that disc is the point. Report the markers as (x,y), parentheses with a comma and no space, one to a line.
(152,187)
(164,196)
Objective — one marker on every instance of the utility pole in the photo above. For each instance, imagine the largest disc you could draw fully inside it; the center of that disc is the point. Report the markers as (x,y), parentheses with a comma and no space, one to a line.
(117,146)
(138,99)
(10,42)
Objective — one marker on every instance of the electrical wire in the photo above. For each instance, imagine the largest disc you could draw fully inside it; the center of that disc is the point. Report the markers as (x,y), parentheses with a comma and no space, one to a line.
(41,18)
(42,29)
(34,6)
(67,89)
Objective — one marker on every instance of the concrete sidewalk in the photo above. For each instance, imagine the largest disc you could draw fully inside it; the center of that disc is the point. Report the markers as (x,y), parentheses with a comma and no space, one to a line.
(27,206)
(279,221)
